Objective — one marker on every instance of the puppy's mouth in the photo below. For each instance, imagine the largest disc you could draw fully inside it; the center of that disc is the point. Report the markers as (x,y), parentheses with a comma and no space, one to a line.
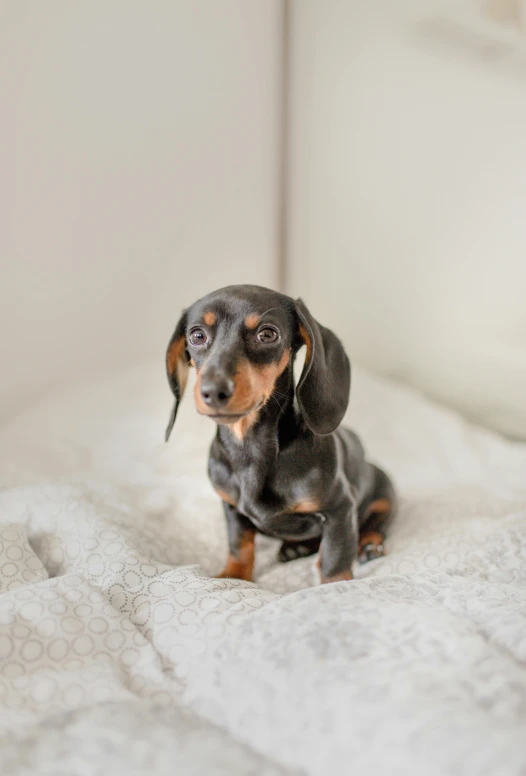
(227,417)
(231,417)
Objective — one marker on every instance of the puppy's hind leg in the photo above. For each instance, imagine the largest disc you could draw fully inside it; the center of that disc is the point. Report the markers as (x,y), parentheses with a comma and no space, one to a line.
(375,516)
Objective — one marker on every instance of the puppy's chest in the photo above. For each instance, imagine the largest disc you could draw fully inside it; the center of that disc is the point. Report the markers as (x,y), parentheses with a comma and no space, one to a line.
(262,495)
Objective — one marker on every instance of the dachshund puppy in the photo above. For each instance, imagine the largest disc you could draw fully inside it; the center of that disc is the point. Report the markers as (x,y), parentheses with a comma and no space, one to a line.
(280,460)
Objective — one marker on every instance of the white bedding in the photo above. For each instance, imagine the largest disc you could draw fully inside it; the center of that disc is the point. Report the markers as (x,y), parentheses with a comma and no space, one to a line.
(120,654)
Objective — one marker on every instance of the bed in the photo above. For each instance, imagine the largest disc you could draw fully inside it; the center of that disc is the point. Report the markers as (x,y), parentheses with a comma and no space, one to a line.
(121,653)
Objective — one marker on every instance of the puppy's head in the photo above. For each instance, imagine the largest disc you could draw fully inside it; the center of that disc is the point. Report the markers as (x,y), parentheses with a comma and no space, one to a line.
(240,340)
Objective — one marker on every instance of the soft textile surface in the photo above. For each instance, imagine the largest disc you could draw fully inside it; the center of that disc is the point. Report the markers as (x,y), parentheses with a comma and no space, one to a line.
(120,653)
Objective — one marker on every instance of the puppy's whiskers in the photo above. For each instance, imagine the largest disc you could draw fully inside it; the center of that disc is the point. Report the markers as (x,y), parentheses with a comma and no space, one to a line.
(277,402)
(278,393)
(267,311)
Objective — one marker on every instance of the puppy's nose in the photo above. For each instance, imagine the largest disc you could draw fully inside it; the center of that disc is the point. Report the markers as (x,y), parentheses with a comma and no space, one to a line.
(217,391)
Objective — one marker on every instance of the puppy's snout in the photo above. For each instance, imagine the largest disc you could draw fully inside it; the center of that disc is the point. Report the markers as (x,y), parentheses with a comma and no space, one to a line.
(216,391)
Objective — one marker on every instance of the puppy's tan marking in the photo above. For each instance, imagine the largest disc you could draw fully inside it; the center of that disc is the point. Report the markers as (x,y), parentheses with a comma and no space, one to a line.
(251,321)
(209,318)
(308,342)
(253,386)
(265,376)
(344,576)
(242,565)
(307,506)
(175,353)
(240,428)
(176,362)
(337,578)
(243,398)
(225,497)
(378,507)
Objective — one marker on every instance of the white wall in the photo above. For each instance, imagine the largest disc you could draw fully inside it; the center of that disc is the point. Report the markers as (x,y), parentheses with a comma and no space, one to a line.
(407,213)
(139,151)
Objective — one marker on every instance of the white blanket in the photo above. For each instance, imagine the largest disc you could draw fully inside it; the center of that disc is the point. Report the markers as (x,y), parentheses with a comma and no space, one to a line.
(120,654)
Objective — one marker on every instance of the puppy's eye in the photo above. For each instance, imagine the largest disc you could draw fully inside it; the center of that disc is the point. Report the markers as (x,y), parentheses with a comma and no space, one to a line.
(267,335)
(198,337)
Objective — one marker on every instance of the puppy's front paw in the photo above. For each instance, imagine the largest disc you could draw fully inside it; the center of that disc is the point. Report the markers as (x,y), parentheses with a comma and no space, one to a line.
(236,570)
(343,577)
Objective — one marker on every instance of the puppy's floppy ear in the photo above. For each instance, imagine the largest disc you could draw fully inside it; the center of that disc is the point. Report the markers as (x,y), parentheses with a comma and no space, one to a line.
(177,364)
(323,388)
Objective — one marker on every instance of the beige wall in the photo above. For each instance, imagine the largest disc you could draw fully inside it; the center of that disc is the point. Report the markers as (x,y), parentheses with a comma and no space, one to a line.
(407,215)
(139,150)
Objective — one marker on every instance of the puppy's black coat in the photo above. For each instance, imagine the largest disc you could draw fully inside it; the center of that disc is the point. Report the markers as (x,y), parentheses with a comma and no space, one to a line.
(280,460)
